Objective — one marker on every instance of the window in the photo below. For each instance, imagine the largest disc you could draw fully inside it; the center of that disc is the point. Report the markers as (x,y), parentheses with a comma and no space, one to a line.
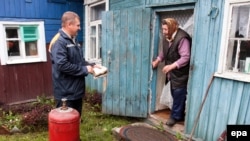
(93,48)
(235,47)
(22,42)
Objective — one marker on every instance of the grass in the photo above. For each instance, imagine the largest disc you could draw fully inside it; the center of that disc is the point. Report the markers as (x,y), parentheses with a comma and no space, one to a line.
(95,126)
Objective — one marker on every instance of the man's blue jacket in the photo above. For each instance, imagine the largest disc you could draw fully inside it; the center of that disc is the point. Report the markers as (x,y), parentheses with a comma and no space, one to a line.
(68,67)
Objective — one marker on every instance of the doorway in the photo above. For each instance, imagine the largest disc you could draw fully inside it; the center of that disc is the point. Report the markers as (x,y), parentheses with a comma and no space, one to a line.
(185,20)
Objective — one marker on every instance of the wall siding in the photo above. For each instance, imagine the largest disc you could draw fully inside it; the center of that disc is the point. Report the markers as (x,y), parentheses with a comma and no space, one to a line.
(24,82)
(205,51)
(227,100)
(50,12)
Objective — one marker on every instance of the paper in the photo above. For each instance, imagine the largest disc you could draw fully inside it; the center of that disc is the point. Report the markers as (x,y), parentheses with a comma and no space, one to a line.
(100,72)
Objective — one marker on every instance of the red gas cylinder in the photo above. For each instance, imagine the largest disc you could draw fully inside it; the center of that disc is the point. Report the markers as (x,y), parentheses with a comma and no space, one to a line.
(64,124)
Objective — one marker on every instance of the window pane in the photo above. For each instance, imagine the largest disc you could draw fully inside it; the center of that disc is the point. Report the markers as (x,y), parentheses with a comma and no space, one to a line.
(96,12)
(93,47)
(13,48)
(240,21)
(12,42)
(93,42)
(239,51)
(100,40)
(11,33)
(29,33)
(93,31)
(31,48)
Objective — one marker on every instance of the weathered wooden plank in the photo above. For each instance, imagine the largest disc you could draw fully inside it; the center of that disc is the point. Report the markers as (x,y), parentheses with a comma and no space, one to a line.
(137,61)
(247,115)
(123,61)
(130,61)
(211,57)
(244,105)
(212,102)
(154,52)
(222,109)
(104,57)
(145,61)
(198,51)
(116,62)
(235,104)
(110,34)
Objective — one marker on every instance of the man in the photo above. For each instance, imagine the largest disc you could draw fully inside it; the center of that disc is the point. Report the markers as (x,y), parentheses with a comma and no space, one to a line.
(176,54)
(69,67)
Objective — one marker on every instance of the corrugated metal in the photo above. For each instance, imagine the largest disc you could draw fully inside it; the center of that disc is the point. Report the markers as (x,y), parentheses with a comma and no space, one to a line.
(42,9)
(128,44)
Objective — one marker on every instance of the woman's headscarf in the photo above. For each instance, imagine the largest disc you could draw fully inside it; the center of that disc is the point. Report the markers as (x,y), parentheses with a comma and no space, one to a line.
(172,26)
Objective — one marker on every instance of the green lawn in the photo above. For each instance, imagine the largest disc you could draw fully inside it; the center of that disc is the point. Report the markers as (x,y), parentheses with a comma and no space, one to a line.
(95,126)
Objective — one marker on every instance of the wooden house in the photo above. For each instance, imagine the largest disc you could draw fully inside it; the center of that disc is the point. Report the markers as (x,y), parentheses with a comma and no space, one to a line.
(26,28)
(125,35)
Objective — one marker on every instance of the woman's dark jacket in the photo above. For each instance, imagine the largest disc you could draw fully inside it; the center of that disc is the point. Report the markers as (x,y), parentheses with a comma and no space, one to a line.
(178,77)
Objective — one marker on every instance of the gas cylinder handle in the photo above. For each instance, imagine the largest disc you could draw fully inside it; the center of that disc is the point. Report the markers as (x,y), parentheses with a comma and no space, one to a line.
(64,104)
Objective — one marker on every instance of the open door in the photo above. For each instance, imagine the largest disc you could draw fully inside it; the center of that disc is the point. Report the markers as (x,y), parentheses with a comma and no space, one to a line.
(126,53)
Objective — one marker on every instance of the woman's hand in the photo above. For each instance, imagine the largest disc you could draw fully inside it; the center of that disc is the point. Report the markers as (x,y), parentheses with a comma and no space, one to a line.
(155,63)
(166,69)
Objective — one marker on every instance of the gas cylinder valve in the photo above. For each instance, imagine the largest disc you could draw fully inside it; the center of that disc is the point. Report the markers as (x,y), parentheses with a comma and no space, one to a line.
(64,104)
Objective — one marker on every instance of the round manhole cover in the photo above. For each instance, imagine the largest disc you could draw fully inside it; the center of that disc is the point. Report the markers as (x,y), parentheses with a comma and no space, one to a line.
(140,133)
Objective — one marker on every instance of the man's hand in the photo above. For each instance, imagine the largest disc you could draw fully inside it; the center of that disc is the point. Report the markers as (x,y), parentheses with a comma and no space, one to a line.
(90,69)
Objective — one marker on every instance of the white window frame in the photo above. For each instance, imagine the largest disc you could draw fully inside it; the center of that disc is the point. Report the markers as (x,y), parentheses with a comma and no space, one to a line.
(41,44)
(222,70)
(88,24)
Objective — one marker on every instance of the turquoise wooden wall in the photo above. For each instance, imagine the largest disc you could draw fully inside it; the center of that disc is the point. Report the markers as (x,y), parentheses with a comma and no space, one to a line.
(50,12)
(227,100)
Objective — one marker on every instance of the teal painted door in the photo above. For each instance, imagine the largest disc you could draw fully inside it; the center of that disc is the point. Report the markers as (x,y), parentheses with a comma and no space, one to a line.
(126,53)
